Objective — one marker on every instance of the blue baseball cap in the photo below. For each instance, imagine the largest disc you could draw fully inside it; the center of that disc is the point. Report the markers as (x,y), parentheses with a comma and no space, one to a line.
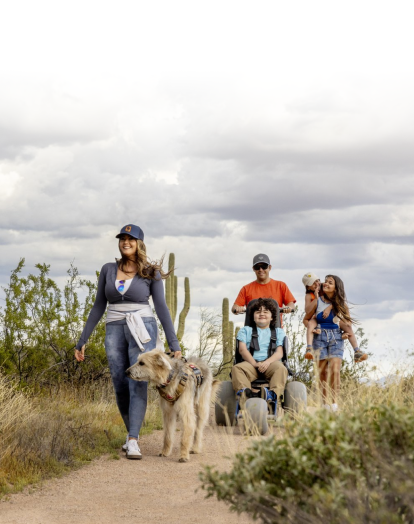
(132,231)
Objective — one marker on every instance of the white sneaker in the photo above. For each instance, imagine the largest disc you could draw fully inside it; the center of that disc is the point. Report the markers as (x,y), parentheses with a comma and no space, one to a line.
(334,407)
(133,451)
(125,446)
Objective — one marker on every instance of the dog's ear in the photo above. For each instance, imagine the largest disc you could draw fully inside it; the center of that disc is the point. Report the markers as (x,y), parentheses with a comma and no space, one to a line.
(163,360)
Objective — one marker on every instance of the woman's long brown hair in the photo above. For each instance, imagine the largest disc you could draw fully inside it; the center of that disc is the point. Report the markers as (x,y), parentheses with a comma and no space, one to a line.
(145,268)
(339,301)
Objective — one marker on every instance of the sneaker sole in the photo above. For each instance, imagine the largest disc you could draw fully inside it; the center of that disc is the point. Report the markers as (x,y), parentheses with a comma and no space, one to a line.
(133,457)
(361,359)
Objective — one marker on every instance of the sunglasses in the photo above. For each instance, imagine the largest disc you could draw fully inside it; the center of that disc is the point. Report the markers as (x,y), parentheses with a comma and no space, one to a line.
(260,266)
(121,286)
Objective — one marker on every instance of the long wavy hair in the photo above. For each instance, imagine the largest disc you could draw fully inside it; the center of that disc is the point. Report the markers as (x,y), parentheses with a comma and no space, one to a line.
(145,267)
(339,301)
(266,303)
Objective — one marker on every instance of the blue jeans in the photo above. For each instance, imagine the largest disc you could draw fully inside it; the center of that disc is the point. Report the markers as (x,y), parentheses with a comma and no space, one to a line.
(122,352)
(330,344)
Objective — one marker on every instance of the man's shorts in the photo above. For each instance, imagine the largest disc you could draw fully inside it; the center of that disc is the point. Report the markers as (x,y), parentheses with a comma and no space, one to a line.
(329,343)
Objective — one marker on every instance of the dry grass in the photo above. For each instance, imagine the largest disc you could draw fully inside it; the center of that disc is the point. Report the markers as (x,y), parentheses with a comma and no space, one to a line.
(55,431)
(396,388)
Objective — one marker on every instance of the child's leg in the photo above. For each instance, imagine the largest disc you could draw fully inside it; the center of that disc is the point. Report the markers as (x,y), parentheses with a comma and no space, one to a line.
(309,332)
(311,329)
(347,328)
(348,331)
(316,327)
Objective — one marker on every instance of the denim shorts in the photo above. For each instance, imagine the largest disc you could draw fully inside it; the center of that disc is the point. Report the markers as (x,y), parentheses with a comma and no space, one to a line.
(329,343)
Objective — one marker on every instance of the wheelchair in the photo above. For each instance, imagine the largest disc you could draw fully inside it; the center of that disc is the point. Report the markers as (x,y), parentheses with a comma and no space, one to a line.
(257,410)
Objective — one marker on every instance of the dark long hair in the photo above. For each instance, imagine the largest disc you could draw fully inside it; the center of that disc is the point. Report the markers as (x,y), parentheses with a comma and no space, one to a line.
(145,268)
(266,303)
(339,300)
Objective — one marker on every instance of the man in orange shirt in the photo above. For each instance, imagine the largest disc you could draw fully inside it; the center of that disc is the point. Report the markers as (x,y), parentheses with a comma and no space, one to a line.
(264,287)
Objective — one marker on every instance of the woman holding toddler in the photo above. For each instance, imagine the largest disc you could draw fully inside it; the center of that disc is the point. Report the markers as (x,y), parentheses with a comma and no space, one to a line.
(331,314)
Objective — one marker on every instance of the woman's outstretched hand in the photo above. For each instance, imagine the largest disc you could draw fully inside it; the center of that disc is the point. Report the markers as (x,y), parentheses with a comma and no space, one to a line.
(177,354)
(80,354)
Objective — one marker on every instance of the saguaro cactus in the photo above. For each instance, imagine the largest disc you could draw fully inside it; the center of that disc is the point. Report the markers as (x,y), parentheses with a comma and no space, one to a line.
(235,336)
(175,298)
(185,310)
(227,337)
(169,286)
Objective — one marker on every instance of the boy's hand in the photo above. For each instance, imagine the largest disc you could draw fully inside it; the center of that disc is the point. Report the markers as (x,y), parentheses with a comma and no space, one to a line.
(262,366)
(327,312)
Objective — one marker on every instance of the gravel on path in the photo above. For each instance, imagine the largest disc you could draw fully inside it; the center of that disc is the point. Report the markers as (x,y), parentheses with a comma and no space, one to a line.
(152,490)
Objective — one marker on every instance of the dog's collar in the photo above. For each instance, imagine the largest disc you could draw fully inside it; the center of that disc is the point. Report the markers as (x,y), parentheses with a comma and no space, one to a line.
(170,376)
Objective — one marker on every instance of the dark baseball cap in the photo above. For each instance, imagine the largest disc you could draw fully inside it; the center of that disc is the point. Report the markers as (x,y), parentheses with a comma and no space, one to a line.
(261,259)
(133,231)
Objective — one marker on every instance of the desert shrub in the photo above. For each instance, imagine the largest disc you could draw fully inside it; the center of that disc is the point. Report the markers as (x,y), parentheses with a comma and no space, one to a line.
(40,325)
(347,467)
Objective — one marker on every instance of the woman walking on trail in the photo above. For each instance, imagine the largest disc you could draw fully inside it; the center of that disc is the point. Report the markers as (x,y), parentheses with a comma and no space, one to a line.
(329,343)
(131,327)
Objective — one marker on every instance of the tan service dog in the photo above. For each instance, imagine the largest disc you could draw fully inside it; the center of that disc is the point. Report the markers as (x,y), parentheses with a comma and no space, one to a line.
(193,404)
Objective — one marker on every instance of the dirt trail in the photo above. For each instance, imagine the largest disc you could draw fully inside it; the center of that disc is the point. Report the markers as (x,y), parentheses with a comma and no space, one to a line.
(151,490)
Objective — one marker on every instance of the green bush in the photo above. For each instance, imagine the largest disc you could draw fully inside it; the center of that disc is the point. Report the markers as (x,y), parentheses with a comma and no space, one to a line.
(40,325)
(328,468)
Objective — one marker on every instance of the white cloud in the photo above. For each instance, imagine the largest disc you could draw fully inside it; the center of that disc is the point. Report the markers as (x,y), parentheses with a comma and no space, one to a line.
(224,129)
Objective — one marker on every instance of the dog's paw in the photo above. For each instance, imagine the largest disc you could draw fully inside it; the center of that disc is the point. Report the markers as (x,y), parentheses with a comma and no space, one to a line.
(183,459)
(194,452)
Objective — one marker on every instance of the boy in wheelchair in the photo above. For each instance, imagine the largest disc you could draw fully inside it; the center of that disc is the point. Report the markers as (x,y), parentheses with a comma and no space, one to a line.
(259,353)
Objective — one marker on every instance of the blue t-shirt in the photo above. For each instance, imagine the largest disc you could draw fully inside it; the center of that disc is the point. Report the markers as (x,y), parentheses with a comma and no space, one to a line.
(245,335)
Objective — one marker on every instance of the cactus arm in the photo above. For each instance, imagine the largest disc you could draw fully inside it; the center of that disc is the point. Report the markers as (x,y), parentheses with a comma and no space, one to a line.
(185,310)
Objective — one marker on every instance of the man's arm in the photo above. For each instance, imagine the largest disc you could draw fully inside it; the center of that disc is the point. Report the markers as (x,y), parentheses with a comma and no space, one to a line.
(239,305)
(237,309)
(288,299)
(289,307)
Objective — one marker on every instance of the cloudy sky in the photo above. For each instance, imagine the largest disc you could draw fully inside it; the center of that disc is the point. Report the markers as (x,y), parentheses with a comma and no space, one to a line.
(224,129)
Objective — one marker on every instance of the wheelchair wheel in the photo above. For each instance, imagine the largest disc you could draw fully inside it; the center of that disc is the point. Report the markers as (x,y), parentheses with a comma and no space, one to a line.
(225,407)
(255,416)
(295,397)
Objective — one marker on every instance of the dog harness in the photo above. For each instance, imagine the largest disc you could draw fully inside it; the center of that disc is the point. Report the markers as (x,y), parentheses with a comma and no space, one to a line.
(188,370)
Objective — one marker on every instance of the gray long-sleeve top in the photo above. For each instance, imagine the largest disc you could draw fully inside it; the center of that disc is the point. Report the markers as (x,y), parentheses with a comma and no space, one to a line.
(138,292)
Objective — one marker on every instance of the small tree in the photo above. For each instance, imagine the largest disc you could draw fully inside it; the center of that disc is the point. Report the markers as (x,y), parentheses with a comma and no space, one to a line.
(209,337)
(39,327)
